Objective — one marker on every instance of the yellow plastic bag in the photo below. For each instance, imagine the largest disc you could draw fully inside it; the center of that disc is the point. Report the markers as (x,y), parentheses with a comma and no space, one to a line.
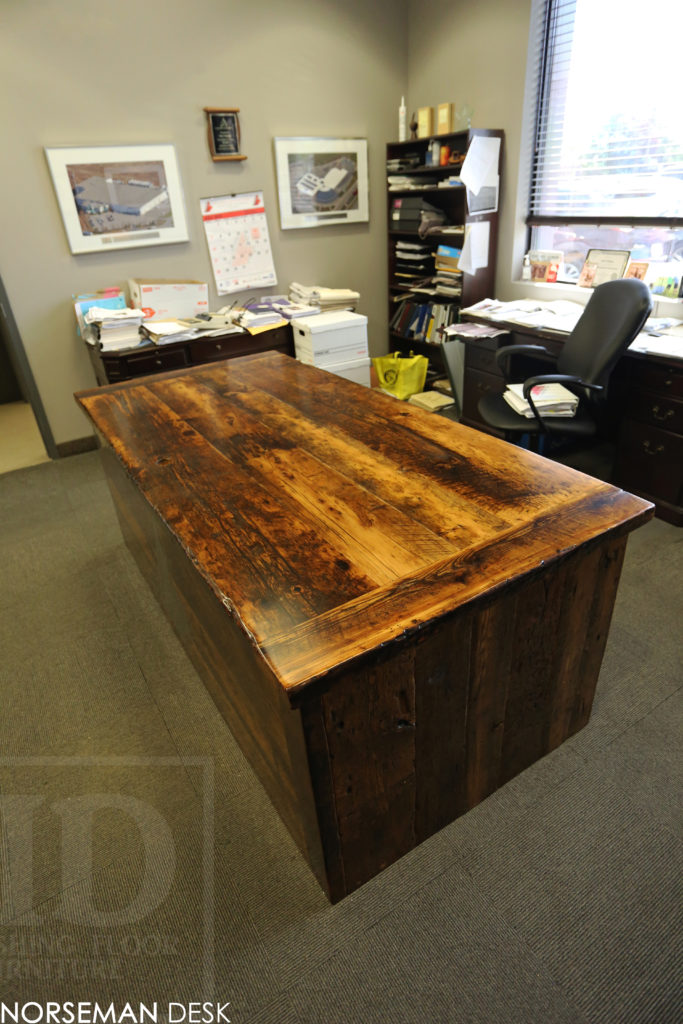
(401,375)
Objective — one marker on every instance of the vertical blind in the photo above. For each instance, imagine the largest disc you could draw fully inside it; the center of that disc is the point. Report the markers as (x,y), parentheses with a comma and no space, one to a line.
(609,135)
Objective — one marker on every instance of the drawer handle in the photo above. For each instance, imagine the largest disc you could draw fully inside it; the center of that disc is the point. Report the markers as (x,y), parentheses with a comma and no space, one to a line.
(158,362)
(652,451)
(219,346)
(658,415)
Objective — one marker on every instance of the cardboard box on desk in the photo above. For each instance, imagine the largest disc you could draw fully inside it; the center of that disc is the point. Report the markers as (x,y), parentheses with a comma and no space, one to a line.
(165,300)
(330,338)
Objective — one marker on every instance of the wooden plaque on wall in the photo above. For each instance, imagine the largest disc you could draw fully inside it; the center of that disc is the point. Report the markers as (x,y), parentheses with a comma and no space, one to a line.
(224,133)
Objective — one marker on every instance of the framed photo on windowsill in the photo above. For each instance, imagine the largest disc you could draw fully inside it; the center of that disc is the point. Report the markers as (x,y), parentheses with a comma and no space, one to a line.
(603,265)
(118,197)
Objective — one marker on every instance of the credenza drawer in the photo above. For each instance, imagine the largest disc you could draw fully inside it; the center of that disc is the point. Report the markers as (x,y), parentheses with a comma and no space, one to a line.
(650,460)
(206,350)
(155,362)
(658,410)
(481,358)
(652,376)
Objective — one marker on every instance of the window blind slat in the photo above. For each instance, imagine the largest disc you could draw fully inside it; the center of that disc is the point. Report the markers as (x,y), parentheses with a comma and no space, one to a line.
(599,146)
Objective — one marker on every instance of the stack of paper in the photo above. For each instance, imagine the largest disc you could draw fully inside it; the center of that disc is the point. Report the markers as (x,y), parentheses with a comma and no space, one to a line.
(257,316)
(549,399)
(405,183)
(403,163)
(113,329)
(163,331)
(106,298)
(325,299)
(290,310)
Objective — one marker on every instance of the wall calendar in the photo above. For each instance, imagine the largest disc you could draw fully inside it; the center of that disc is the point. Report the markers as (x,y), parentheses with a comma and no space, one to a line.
(239,244)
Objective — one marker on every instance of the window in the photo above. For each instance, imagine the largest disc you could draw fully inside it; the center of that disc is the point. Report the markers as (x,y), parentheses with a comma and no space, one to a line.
(608,155)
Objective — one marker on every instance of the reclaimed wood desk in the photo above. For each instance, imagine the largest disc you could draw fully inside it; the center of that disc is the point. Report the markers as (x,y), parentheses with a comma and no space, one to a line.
(394,613)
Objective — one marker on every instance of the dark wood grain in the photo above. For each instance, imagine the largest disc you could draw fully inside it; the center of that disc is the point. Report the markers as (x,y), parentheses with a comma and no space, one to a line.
(395,614)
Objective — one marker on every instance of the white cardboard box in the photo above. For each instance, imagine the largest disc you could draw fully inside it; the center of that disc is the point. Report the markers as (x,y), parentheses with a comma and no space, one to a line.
(356,369)
(163,300)
(339,337)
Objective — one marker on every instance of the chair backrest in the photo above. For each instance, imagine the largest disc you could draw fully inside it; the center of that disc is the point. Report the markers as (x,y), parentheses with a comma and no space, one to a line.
(614,315)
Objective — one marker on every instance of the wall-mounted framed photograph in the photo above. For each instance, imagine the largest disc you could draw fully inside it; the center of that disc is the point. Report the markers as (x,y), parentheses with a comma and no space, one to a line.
(118,197)
(321,181)
(223,128)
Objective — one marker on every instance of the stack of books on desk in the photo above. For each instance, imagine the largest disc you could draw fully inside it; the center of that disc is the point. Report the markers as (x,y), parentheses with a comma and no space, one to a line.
(113,329)
(549,399)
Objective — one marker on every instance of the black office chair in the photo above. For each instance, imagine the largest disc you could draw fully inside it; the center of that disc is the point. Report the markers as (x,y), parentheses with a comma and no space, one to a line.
(614,315)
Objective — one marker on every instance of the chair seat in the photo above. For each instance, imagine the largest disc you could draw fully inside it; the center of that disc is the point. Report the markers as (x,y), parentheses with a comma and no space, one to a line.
(496,412)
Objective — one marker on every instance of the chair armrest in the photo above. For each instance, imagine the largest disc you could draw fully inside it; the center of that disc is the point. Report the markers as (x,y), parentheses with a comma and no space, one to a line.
(554,378)
(558,378)
(537,351)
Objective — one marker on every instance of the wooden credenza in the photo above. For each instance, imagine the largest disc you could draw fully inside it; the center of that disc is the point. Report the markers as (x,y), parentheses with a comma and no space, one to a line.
(394,613)
(112,367)
(643,414)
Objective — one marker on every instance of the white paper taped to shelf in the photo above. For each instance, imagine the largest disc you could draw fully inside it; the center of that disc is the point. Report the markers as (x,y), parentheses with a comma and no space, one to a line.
(480,166)
(475,251)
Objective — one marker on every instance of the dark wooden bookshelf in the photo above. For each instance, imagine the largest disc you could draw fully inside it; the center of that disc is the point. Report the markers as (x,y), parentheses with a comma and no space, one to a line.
(453,202)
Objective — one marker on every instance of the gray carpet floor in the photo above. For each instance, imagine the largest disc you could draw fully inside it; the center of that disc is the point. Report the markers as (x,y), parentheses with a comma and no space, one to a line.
(141,861)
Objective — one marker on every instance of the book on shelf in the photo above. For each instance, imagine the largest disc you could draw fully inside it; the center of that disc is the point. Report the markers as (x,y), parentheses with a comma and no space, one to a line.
(444,118)
(549,399)
(447,257)
(425,122)
(423,321)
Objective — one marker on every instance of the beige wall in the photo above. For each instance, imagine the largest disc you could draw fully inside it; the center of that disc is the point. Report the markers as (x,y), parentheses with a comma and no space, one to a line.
(76,72)
(475,54)
(79,72)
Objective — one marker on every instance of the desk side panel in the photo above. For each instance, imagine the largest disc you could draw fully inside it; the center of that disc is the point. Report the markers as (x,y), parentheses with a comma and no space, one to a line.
(243,688)
(448,714)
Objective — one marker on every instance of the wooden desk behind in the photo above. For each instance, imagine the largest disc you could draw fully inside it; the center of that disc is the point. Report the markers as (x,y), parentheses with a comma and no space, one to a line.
(114,366)
(394,613)
(644,413)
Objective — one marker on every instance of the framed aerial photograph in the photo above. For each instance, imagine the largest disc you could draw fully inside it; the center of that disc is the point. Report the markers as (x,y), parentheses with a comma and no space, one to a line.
(321,181)
(118,197)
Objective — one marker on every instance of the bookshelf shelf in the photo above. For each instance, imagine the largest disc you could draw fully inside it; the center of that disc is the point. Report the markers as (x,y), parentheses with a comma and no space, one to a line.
(420,324)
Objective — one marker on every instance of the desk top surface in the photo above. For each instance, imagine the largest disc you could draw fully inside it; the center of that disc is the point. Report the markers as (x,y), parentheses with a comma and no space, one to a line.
(329,518)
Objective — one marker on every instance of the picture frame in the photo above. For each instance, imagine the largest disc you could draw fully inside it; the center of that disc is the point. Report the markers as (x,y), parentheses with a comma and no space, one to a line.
(118,197)
(603,265)
(223,128)
(321,181)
